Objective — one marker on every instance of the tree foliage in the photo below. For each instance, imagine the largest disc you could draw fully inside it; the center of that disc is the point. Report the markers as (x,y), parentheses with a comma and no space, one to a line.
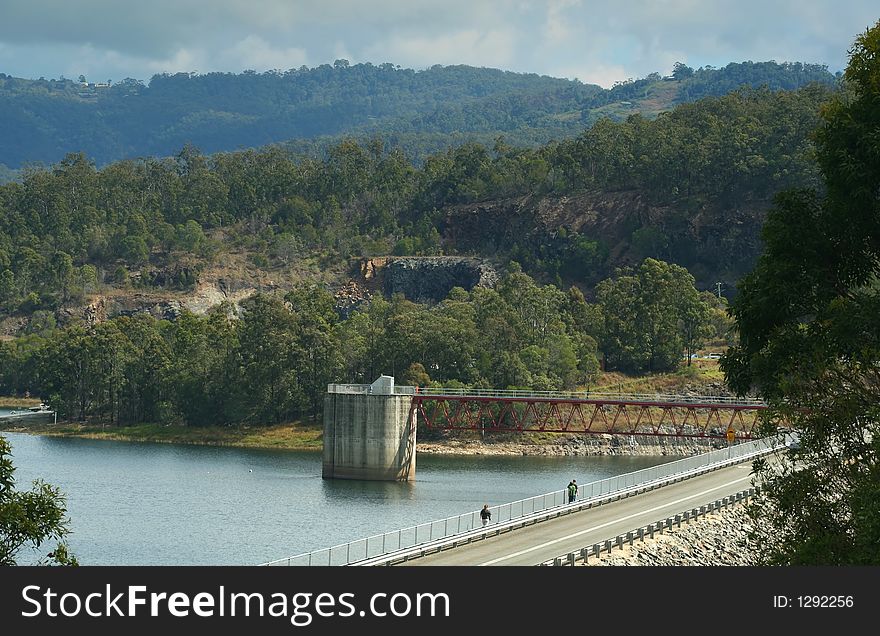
(808,318)
(67,230)
(426,111)
(271,360)
(28,519)
(651,315)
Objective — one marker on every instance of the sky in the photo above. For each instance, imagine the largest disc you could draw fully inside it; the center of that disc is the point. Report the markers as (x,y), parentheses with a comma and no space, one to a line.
(594,42)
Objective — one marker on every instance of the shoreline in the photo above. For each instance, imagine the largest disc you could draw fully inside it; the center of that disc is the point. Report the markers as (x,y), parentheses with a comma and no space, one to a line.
(308,437)
(570,446)
(281,437)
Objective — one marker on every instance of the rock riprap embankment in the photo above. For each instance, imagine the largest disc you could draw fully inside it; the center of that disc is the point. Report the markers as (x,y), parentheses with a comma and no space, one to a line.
(718,538)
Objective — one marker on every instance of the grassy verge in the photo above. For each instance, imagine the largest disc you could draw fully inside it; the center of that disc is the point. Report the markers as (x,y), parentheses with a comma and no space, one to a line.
(702,372)
(280,437)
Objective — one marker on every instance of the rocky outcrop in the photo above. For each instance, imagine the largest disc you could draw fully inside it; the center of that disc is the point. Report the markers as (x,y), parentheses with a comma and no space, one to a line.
(430,278)
(209,294)
(101,308)
(350,297)
(715,243)
(423,279)
(200,300)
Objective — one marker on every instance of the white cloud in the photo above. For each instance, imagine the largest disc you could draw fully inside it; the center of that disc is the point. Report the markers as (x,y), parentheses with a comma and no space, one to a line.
(136,39)
(254,53)
(182,61)
(557,29)
(493,48)
(596,73)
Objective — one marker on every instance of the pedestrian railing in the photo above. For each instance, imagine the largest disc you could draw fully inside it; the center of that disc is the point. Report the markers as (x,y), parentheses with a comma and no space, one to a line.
(588,395)
(364,389)
(550,395)
(428,533)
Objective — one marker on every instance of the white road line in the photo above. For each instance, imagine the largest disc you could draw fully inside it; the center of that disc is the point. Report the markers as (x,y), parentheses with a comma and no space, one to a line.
(610,523)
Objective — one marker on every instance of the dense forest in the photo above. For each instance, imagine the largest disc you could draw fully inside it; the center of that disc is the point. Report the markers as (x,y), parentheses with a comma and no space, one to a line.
(423,112)
(270,361)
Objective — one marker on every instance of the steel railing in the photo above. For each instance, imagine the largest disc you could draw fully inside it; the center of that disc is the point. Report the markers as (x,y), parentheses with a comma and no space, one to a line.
(412,536)
(564,395)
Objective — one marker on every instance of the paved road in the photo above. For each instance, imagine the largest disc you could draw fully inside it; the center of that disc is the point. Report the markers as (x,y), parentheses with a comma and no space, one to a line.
(543,541)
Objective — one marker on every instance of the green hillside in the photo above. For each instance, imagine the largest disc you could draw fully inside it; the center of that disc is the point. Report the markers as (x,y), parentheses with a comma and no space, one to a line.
(689,187)
(311,108)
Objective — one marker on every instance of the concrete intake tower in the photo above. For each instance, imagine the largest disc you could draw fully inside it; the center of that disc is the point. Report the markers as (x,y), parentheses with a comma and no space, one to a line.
(368,433)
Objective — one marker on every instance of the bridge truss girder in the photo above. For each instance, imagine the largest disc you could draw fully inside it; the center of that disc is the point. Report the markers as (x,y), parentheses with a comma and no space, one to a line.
(589,417)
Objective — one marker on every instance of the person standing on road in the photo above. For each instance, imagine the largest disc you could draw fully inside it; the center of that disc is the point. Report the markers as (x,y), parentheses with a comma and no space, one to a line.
(485,514)
(572,490)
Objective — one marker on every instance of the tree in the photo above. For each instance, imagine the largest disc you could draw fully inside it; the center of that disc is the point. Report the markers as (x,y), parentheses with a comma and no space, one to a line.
(695,323)
(63,271)
(584,324)
(135,250)
(87,278)
(318,353)
(29,519)
(681,71)
(651,315)
(808,318)
(273,361)
(190,236)
(7,289)
(287,247)
(416,375)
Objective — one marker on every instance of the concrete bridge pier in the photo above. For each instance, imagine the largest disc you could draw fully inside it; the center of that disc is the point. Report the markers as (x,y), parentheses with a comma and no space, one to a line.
(367,432)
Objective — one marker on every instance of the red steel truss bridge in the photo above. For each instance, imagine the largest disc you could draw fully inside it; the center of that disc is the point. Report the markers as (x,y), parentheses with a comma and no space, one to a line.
(490,410)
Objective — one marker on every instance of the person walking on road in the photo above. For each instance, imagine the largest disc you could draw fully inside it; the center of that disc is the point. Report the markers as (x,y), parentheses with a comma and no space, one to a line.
(485,514)
(572,490)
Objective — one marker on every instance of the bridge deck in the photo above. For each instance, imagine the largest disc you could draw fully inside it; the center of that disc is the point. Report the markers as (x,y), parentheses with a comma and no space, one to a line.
(538,543)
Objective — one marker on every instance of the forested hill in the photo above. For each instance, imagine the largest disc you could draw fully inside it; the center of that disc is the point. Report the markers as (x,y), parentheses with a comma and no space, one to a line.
(311,108)
(689,187)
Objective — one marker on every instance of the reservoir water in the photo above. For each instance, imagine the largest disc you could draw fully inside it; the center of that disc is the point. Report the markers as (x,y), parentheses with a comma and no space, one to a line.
(163,504)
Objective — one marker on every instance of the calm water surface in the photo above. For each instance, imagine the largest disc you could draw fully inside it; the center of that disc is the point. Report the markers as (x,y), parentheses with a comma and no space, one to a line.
(163,504)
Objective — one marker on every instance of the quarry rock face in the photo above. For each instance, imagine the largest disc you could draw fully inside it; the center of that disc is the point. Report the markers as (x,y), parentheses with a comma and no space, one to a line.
(430,278)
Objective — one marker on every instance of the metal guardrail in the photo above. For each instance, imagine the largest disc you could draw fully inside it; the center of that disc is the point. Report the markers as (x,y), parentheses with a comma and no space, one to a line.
(587,395)
(647,532)
(461,525)
(437,546)
(564,395)
(364,389)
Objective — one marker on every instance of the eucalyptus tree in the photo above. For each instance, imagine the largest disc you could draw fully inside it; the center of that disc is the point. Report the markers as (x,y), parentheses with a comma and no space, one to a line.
(271,388)
(30,518)
(650,312)
(808,318)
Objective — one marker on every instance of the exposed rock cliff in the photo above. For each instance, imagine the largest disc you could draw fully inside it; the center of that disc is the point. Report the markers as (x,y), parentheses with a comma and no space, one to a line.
(431,278)
(426,278)
(715,243)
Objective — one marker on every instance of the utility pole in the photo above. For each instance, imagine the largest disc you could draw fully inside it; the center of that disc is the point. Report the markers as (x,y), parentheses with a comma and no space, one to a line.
(718,285)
